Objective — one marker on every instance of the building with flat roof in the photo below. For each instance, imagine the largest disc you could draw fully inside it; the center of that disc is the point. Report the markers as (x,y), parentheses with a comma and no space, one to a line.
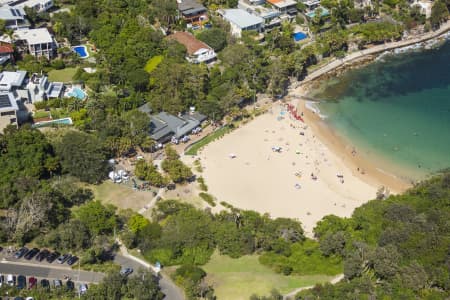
(14,17)
(198,51)
(12,96)
(241,20)
(288,7)
(37,42)
(41,89)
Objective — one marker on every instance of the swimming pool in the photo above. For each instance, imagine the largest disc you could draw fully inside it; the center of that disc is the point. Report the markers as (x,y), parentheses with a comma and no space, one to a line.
(77,93)
(81,51)
(63,121)
(298,36)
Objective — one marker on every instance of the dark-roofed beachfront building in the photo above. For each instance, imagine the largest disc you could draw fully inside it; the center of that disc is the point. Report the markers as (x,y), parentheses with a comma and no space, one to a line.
(164,126)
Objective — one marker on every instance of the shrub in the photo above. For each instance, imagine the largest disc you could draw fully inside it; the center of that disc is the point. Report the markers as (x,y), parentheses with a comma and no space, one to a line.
(208,198)
(202,184)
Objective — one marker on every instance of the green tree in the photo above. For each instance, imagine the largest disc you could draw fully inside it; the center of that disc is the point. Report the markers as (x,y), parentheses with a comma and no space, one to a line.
(82,156)
(99,219)
(215,38)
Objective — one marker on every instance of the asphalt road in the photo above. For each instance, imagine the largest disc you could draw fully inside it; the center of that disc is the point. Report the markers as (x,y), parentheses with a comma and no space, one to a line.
(171,291)
(49,272)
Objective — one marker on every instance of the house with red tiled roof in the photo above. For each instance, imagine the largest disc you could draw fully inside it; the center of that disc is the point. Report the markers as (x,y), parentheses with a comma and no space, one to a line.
(6,53)
(197,51)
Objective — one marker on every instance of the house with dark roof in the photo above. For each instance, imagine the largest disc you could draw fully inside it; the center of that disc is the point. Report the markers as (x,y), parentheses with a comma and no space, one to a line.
(198,51)
(192,12)
(8,110)
(164,126)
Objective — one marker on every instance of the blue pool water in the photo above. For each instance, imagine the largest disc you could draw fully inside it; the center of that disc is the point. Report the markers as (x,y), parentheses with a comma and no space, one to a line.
(77,93)
(81,51)
(298,36)
(63,121)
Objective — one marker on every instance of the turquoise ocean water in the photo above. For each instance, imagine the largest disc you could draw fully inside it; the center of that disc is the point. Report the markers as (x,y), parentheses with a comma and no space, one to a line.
(396,111)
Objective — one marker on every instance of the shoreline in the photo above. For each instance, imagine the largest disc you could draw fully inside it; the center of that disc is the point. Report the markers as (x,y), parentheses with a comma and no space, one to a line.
(365,55)
(365,169)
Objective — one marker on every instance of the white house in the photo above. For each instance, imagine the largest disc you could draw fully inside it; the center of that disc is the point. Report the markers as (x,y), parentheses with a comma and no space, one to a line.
(37,5)
(38,42)
(40,88)
(14,17)
(198,51)
(12,93)
(241,20)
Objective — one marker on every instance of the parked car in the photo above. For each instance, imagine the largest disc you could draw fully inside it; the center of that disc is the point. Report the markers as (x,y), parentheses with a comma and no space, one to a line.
(62,259)
(57,283)
(51,257)
(72,260)
(2,280)
(45,284)
(11,280)
(126,271)
(1,249)
(30,254)
(21,252)
(42,255)
(32,282)
(21,282)
(70,285)
(83,288)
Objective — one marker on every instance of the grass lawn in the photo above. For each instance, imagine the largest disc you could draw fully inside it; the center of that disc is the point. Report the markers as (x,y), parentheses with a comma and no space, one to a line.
(64,75)
(121,195)
(207,139)
(240,278)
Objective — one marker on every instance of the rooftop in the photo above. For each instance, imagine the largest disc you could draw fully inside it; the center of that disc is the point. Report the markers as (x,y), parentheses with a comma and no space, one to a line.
(282,3)
(241,18)
(185,5)
(189,41)
(11,13)
(11,79)
(7,102)
(34,36)
(6,49)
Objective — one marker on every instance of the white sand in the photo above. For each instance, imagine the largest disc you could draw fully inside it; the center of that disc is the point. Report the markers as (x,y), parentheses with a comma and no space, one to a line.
(263,180)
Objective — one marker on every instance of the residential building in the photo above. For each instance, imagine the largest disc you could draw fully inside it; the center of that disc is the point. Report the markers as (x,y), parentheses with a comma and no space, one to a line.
(270,15)
(37,42)
(192,12)
(37,5)
(287,7)
(6,53)
(311,5)
(14,17)
(198,51)
(12,96)
(241,20)
(41,89)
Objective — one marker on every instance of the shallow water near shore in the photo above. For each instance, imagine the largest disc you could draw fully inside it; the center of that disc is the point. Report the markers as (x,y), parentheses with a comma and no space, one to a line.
(395,111)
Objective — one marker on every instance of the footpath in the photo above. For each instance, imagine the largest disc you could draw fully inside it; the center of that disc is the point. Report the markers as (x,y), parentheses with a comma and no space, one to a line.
(334,64)
(292,294)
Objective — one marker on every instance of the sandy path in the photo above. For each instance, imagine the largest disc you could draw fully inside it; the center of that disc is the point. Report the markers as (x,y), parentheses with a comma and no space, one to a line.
(265,181)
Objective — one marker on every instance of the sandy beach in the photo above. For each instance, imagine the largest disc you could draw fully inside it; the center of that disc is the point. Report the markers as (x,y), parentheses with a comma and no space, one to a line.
(307,179)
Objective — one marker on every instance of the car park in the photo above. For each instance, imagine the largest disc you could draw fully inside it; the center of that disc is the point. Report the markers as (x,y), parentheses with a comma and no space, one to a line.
(72,260)
(125,271)
(51,258)
(83,288)
(21,282)
(70,285)
(21,252)
(32,282)
(45,284)
(30,254)
(42,255)
(63,258)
